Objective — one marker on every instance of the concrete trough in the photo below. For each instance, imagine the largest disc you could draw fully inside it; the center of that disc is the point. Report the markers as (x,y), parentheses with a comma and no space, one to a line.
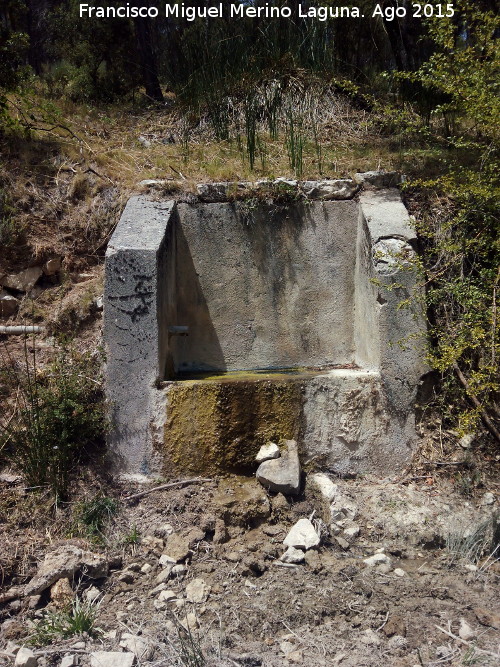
(232,321)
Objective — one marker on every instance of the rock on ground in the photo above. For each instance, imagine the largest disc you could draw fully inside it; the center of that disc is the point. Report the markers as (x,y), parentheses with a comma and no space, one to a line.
(111,659)
(268,452)
(68,661)
(197,591)
(293,556)
(302,535)
(465,631)
(61,592)
(136,645)
(8,304)
(25,658)
(24,280)
(179,545)
(377,559)
(241,503)
(64,562)
(282,475)
(324,485)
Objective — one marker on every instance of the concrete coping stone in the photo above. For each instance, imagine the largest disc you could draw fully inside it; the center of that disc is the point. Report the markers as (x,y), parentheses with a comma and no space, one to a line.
(324,189)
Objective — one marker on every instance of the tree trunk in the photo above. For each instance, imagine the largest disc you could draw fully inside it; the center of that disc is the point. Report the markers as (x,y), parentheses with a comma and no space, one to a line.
(149,69)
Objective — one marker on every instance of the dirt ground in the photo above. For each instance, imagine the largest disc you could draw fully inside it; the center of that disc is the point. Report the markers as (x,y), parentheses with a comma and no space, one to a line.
(250,608)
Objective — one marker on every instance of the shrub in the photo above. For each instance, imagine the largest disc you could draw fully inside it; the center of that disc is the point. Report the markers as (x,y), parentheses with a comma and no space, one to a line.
(59,415)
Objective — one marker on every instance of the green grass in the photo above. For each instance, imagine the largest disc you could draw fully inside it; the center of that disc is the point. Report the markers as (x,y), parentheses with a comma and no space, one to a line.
(93,515)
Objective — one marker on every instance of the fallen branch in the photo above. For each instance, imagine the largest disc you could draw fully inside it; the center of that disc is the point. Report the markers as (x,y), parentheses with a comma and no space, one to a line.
(172,485)
(463,641)
(484,415)
(93,171)
(383,623)
(176,171)
(50,651)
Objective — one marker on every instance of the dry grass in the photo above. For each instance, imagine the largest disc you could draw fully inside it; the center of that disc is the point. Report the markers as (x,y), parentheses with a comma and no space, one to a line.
(68,181)
(181,141)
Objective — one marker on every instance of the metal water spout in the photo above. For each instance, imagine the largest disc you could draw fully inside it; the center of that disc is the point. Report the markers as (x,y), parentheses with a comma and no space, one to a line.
(178,330)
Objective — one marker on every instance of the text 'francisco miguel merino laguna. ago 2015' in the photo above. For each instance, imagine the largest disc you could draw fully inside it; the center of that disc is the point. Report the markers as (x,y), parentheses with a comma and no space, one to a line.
(248,10)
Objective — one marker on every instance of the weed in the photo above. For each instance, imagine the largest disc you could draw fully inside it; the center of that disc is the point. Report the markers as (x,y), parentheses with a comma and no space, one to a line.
(466,482)
(251,129)
(470,657)
(80,617)
(472,543)
(295,143)
(10,230)
(93,515)
(132,537)
(191,654)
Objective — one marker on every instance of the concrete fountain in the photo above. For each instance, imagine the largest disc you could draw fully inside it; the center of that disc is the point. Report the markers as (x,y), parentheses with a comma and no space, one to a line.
(257,312)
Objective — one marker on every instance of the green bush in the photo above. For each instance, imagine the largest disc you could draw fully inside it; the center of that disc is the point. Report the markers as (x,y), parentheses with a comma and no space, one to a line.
(459,222)
(59,416)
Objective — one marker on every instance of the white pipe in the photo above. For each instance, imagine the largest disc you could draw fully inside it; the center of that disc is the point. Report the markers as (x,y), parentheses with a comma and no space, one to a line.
(17,330)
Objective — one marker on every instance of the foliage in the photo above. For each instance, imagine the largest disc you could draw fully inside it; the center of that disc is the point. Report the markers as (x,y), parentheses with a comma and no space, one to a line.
(13,49)
(90,59)
(59,414)
(461,255)
(465,66)
(10,231)
(78,618)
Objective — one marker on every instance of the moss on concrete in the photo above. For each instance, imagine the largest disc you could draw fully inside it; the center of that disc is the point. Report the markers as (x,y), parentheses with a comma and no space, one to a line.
(218,426)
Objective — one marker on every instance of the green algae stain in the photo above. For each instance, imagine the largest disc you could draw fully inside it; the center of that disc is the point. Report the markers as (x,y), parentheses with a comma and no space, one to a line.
(219,426)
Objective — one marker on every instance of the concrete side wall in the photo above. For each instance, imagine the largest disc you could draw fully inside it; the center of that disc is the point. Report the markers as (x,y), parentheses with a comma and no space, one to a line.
(365,420)
(401,319)
(366,304)
(136,298)
(266,287)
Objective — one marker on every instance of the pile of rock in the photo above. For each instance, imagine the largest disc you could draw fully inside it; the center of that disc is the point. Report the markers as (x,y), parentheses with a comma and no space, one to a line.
(15,285)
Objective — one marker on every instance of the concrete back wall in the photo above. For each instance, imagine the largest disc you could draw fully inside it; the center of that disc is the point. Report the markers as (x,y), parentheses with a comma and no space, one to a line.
(265,288)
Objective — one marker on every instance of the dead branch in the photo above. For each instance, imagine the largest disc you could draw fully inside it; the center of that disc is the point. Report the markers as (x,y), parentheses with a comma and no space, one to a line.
(484,415)
(177,172)
(172,485)
(463,641)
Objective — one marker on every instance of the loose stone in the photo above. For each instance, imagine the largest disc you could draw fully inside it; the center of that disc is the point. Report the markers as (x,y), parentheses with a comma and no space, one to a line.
(377,559)
(25,658)
(111,659)
(268,452)
(302,535)
(197,591)
(282,475)
(293,555)
(325,486)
